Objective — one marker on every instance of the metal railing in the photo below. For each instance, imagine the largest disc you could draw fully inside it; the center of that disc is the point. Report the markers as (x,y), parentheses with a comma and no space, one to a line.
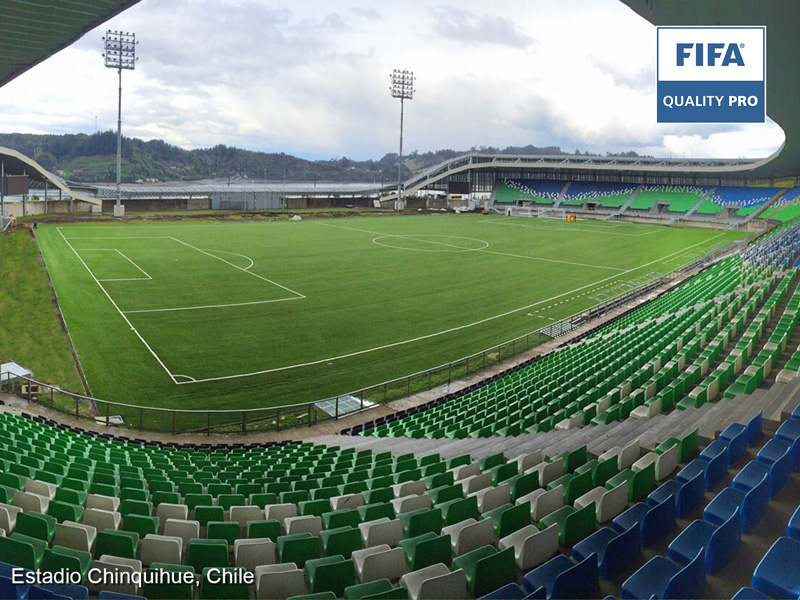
(276,418)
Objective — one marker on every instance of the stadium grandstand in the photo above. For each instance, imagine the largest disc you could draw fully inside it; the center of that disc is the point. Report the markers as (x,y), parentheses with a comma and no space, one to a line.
(653,452)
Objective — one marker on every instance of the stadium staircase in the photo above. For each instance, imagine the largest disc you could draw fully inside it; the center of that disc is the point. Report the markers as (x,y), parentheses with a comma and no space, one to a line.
(765,206)
(700,202)
(561,195)
(625,206)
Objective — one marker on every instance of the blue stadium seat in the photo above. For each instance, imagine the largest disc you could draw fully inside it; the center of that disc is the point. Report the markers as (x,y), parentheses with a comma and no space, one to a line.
(687,494)
(40,593)
(615,551)
(7,588)
(736,437)
(654,521)
(748,593)
(793,528)
(751,475)
(661,578)
(789,431)
(510,591)
(718,543)
(76,592)
(715,455)
(777,574)
(564,579)
(751,504)
(691,470)
(778,455)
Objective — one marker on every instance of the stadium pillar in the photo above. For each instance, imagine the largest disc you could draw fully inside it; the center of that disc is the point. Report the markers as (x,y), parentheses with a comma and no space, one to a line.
(120,53)
(119,209)
(400,205)
(402,88)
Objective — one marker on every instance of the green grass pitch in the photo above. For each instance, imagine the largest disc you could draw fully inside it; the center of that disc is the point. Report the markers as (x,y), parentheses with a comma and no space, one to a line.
(213,315)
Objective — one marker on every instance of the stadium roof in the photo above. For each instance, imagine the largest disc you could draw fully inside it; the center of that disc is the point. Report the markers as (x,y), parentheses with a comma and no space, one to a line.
(783,59)
(17,163)
(188,188)
(33,30)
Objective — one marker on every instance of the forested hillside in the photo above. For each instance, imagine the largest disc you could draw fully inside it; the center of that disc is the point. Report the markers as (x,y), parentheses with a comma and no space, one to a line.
(91,158)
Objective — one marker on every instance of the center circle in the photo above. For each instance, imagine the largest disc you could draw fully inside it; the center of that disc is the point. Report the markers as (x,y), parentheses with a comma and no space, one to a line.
(431,243)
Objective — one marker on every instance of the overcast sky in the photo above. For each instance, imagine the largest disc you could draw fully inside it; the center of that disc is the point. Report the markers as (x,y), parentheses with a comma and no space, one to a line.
(311,78)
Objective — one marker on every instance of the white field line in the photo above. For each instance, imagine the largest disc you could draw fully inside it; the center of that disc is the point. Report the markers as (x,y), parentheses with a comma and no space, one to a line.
(283,287)
(134,264)
(571,228)
(460,248)
(412,237)
(145,278)
(120,237)
(252,262)
(179,308)
(552,260)
(443,332)
(114,304)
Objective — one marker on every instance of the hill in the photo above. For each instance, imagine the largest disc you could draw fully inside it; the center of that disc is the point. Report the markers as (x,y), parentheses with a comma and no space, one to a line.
(91,158)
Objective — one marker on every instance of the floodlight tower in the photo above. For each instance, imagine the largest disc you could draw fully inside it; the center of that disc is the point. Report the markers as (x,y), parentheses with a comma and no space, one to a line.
(120,53)
(402,87)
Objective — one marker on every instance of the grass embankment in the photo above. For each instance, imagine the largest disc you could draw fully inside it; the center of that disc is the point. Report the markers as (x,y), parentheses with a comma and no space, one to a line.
(214,215)
(30,329)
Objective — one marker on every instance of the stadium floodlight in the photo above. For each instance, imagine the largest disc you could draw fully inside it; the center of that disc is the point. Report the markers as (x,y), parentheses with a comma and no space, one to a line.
(120,53)
(403,88)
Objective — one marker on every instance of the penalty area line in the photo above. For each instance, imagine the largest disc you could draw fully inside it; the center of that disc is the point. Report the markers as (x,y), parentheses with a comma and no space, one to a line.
(179,308)
(122,314)
(242,269)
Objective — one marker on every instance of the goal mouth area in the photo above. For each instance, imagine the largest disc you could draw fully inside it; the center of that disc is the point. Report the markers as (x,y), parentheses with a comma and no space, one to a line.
(539,212)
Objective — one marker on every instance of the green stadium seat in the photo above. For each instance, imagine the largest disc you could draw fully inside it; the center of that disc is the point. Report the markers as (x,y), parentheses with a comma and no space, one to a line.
(228,584)
(426,550)
(486,569)
(141,525)
(201,554)
(157,589)
(455,511)
(509,518)
(263,529)
(330,574)
(22,551)
(35,525)
(341,518)
(123,544)
(206,514)
(341,540)
(223,530)
(421,521)
(71,561)
(370,512)
(298,548)
(573,525)
(367,590)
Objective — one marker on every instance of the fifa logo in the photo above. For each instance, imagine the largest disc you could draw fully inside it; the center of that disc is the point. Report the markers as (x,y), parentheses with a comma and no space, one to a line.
(711,74)
(732,55)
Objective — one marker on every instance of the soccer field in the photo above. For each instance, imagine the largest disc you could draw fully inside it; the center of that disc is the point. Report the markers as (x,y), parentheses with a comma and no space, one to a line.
(210,315)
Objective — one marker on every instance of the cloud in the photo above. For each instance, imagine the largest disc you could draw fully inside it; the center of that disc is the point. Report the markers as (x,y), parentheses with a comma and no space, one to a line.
(467,28)
(311,78)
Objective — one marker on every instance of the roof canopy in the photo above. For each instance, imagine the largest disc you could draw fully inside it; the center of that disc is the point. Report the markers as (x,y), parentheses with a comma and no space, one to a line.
(33,30)
(783,58)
